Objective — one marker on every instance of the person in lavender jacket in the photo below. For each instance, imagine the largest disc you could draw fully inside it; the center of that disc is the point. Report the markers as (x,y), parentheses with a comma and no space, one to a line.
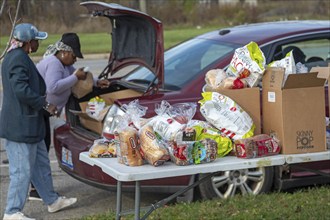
(60,76)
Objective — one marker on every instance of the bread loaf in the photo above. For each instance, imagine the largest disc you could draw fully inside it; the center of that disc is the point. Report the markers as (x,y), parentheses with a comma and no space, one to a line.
(153,150)
(129,148)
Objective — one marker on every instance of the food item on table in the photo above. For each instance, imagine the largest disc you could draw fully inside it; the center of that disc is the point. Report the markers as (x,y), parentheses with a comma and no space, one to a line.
(193,152)
(226,115)
(103,148)
(153,148)
(225,144)
(168,126)
(129,150)
(98,150)
(257,146)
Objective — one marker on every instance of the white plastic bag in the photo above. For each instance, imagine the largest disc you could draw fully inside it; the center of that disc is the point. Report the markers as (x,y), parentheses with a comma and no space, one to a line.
(226,115)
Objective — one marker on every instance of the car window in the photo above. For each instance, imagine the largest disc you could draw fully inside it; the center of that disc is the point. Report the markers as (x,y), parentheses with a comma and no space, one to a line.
(184,62)
(310,53)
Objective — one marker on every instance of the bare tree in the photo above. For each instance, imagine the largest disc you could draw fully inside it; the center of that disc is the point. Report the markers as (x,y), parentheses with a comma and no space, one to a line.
(13,23)
(2,7)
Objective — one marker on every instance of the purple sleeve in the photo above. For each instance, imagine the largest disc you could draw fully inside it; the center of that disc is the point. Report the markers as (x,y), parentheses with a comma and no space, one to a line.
(59,78)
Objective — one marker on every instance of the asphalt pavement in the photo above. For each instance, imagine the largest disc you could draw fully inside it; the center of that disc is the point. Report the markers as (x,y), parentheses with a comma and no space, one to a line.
(91,200)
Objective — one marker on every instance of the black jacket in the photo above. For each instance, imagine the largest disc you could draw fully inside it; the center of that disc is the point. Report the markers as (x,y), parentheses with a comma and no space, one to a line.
(21,116)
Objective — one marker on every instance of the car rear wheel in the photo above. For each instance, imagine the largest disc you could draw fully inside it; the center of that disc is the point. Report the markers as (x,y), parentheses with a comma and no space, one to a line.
(226,184)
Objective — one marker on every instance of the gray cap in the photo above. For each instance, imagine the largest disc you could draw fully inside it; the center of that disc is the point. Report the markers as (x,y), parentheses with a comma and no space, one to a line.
(25,32)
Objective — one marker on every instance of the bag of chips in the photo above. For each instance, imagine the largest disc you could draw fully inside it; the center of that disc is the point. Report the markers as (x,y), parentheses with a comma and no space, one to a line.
(248,59)
(226,115)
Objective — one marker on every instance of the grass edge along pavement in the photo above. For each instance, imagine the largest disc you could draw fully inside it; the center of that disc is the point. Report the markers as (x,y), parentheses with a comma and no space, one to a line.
(312,203)
(100,43)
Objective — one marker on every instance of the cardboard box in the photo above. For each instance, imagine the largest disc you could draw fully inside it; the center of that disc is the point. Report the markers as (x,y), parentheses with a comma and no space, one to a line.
(109,98)
(295,114)
(324,73)
(248,99)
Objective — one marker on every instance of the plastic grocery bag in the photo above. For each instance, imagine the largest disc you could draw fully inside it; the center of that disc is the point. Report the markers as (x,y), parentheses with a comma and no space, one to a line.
(171,119)
(288,63)
(248,59)
(97,108)
(197,130)
(226,115)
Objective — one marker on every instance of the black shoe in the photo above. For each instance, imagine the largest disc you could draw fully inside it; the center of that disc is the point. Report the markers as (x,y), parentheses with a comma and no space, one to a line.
(5,161)
(34,196)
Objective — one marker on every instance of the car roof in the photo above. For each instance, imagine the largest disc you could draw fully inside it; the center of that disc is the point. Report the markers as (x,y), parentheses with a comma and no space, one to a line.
(267,31)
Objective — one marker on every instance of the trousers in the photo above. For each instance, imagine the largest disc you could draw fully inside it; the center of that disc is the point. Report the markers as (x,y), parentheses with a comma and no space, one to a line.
(28,163)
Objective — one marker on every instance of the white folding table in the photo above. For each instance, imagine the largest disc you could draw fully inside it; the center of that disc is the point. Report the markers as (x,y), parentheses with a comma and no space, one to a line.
(123,173)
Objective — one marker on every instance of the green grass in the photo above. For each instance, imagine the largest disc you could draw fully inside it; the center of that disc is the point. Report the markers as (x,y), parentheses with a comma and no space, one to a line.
(100,43)
(310,204)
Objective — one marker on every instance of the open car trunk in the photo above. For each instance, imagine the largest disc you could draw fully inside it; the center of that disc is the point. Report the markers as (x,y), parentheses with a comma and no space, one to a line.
(137,39)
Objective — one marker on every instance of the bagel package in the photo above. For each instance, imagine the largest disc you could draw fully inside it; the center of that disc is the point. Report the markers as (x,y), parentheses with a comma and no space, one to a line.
(129,151)
(153,148)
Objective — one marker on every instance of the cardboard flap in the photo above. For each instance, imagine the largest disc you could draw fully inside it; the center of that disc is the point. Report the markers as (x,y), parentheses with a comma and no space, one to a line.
(82,114)
(273,77)
(100,117)
(303,80)
(323,72)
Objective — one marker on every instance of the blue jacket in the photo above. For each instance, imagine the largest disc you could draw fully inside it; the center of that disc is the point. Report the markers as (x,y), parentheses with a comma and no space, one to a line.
(21,116)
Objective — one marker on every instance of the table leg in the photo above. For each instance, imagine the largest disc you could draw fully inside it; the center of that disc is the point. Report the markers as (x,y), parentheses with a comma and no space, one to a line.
(119,198)
(137,200)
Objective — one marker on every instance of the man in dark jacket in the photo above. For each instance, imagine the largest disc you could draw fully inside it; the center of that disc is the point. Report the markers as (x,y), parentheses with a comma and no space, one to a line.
(22,125)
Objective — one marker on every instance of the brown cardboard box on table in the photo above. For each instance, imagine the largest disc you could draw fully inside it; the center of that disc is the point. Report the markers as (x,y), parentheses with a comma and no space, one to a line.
(248,99)
(93,124)
(294,113)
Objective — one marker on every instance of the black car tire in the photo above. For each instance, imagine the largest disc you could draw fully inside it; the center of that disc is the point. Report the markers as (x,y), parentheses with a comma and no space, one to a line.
(226,184)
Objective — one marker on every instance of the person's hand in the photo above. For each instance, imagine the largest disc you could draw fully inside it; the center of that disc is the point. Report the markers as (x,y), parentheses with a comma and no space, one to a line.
(51,109)
(80,74)
(103,83)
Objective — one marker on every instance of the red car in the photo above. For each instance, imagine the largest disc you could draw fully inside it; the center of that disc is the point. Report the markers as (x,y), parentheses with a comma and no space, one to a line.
(177,76)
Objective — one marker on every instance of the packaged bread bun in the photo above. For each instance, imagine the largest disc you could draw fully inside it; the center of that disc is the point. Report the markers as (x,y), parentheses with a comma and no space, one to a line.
(129,152)
(103,148)
(153,148)
(98,149)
